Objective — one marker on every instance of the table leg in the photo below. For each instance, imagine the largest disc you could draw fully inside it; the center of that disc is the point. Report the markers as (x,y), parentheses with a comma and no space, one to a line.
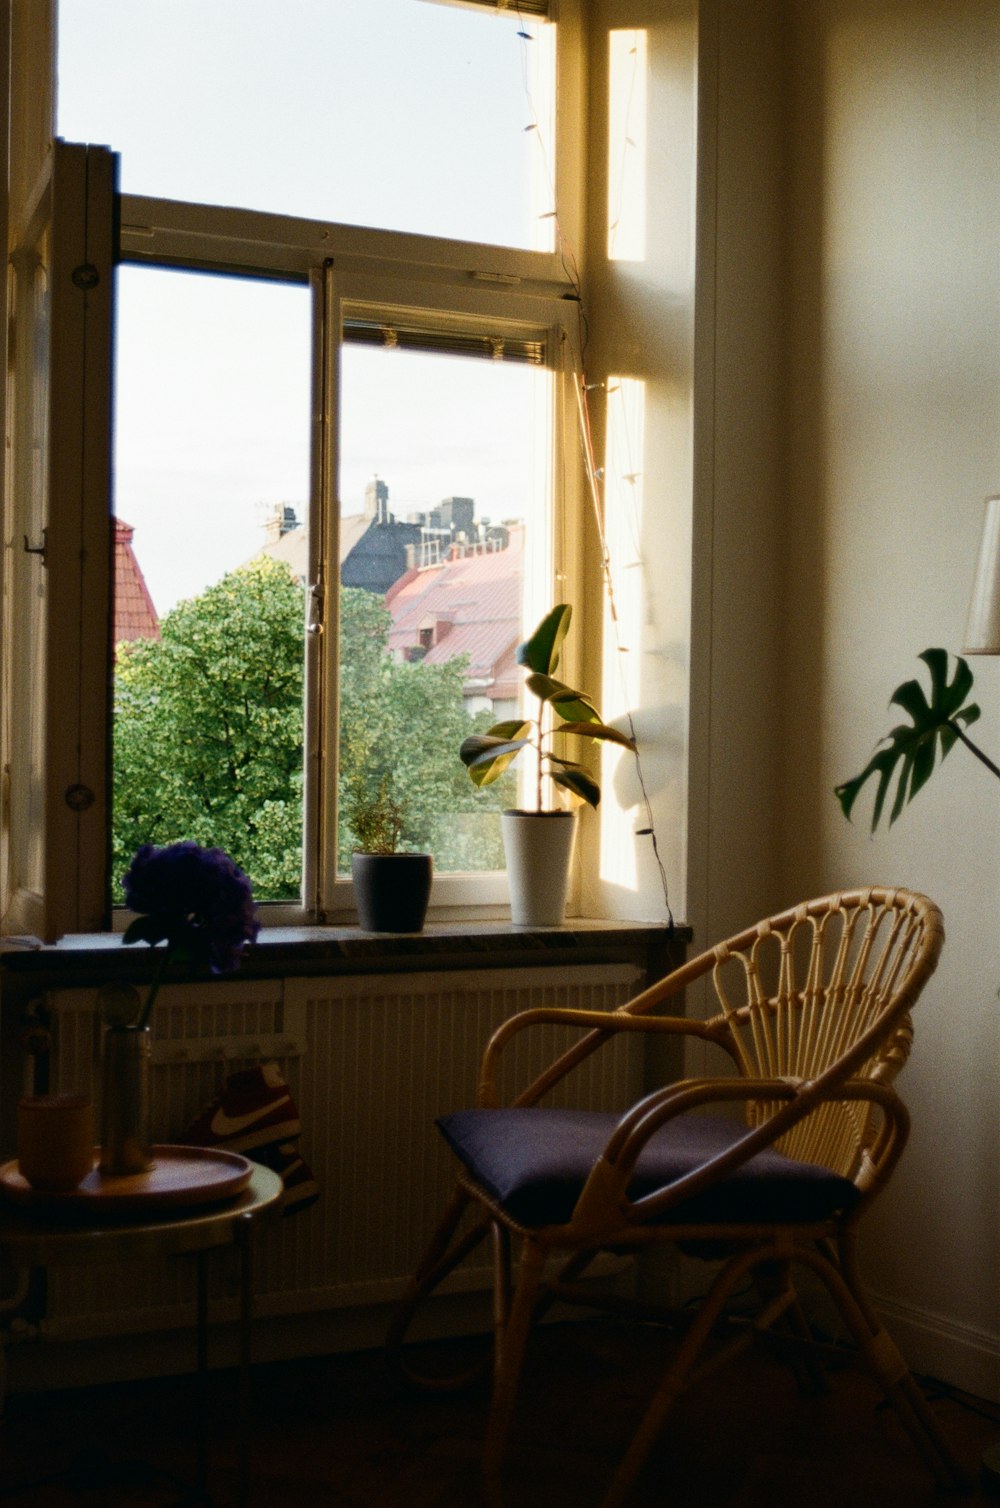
(201,1386)
(244,1234)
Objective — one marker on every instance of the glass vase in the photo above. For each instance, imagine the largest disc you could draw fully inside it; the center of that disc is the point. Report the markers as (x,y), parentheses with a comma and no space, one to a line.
(125,1143)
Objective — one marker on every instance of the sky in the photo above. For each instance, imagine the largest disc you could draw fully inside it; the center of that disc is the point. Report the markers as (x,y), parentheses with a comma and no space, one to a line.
(290,106)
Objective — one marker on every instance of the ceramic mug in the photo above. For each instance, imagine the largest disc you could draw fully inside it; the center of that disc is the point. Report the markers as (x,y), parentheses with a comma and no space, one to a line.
(55,1140)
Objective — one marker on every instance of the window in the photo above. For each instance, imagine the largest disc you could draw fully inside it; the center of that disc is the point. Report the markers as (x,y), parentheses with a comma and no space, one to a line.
(365,426)
(428,118)
(212,384)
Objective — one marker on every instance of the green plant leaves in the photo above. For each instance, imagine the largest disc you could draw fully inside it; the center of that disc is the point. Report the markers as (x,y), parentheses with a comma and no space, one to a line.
(541,651)
(574,706)
(600,731)
(487,755)
(910,752)
(573,777)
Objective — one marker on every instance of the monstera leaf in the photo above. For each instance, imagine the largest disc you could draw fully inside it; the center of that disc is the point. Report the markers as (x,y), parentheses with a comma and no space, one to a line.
(909,753)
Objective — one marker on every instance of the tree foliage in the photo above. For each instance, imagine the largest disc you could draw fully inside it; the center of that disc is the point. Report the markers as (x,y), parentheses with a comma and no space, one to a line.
(208,728)
(208,734)
(403,724)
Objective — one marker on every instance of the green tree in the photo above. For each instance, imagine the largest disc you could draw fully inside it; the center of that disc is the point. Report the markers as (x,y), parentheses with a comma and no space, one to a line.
(405,723)
(208,728)
(208,734)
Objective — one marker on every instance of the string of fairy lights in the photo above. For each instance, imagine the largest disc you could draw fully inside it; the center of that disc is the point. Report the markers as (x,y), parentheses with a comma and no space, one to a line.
(595,477)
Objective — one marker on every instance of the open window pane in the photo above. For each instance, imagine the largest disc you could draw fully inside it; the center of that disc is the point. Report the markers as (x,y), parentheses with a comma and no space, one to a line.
(443,485)
(398,114)
(211,457)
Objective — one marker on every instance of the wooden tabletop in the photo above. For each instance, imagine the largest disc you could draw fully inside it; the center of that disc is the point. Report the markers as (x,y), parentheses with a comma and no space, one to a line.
(41,1238)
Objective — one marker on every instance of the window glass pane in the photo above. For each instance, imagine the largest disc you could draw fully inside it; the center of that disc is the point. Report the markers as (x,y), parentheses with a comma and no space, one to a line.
(392,113)
(212,406)
(443,482)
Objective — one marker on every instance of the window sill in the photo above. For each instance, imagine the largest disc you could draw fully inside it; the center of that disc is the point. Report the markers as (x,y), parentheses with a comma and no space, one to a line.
(311,950)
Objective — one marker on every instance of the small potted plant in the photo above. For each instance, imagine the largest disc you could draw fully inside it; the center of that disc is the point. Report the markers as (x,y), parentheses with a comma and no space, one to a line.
(391,886)
(538,842)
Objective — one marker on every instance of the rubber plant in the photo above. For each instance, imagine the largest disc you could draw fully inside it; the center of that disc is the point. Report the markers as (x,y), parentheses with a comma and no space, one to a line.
(562,711)
(909,753)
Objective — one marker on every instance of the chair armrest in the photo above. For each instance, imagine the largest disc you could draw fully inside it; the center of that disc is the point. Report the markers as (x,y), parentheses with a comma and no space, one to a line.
(604,1025)
(797,1098)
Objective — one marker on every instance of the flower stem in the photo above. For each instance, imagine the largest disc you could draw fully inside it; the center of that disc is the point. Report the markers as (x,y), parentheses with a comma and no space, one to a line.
(154,988)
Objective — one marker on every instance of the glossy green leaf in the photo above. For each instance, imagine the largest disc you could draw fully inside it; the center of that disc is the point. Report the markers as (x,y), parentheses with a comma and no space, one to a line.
(515,728)
(598,730)
(574,706)
(541,651)
(909,753)
(486,757)
(578,780)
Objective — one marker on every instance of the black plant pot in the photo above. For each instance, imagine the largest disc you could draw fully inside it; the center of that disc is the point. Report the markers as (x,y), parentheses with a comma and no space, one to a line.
(391,890)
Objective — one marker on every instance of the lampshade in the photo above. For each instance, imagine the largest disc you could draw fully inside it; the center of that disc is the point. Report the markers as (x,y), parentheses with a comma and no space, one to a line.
(982,631)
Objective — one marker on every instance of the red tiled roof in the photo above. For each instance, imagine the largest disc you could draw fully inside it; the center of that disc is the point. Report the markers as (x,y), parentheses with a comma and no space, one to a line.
(470,605)
(135,615)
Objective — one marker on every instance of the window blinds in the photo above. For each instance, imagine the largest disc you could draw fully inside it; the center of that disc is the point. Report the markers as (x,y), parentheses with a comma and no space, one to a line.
(453,342)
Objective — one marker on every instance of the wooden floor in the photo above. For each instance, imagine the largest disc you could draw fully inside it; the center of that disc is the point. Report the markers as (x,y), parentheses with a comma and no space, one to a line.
(336,1431)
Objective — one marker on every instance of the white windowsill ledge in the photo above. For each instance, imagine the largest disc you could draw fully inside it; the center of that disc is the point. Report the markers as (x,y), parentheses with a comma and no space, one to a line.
(95,957)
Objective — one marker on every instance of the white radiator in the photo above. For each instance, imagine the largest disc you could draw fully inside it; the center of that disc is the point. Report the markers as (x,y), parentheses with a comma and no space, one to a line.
(371,1061)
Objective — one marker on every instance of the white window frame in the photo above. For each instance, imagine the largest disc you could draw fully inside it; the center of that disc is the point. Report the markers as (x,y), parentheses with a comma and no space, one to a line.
(520,293)
(57,550)
(532,289)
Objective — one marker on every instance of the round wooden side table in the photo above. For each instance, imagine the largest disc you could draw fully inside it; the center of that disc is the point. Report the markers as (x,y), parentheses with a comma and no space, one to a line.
(49,1238)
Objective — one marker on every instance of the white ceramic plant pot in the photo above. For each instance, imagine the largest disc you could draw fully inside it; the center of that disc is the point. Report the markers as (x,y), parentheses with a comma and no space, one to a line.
(539,850)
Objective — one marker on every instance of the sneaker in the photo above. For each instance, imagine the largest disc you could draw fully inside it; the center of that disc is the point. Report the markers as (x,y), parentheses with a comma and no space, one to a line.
(252,1109)
(301,1188)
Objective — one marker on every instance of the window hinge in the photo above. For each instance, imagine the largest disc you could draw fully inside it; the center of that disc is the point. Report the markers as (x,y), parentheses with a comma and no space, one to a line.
(41,549)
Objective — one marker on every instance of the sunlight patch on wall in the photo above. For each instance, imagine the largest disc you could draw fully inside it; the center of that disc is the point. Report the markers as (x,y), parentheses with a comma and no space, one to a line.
(623,617)
(627,74)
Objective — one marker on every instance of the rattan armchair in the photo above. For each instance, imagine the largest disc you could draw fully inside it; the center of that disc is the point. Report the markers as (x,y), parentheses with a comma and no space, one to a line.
(813,1016)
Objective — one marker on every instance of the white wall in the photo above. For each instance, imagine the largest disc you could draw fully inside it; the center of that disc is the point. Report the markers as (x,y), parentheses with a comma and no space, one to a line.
(879,120)
(641,320)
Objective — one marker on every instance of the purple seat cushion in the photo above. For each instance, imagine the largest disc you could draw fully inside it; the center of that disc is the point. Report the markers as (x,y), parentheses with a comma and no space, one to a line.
(534,1162)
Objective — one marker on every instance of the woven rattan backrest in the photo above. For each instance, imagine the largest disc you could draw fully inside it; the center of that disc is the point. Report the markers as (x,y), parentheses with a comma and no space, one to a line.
(823,990)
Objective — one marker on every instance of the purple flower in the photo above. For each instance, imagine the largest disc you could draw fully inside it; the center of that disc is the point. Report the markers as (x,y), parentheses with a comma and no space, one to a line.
(195,899)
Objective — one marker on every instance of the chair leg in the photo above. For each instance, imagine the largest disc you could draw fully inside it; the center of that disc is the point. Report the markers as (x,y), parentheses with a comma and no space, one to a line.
(444,1253)
(511,1341)
(886,1363)
(501,1290)
(773,1279)
(724,1285)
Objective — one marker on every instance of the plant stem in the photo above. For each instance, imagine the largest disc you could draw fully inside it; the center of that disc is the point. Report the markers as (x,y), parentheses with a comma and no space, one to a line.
(154,989)
(973,748)
(538,770)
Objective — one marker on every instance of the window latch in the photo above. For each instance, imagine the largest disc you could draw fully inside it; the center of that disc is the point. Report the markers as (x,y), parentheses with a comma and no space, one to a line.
(314,623)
